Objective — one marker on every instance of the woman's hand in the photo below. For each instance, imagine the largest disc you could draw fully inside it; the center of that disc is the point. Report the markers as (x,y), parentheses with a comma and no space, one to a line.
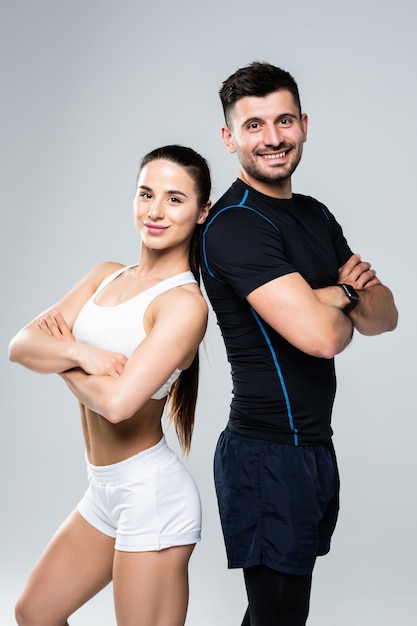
(100,362)
(54,324)
(91,360)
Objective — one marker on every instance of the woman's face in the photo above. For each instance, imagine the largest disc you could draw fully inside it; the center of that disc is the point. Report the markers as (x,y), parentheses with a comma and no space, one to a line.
(165,207)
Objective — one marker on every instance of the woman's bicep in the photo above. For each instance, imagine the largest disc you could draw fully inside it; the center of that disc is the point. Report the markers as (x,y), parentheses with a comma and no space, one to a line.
(171,344)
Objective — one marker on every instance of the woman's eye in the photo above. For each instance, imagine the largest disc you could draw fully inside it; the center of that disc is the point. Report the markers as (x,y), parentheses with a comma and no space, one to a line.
(145,194)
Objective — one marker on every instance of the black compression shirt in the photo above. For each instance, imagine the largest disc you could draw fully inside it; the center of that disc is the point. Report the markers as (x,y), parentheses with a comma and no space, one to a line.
(279,393)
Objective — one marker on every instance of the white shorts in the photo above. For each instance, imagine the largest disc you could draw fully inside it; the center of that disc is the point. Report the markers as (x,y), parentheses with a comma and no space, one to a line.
(147,502)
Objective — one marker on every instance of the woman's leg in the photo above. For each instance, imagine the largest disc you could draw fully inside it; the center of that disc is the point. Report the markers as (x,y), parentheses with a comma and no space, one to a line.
(276,599)
(76,564)
(151,588)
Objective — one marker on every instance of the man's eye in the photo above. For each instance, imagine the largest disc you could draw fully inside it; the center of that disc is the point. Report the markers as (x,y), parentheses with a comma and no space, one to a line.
(254,125)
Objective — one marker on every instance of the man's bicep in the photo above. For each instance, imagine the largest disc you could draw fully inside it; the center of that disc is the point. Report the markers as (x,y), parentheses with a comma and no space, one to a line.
(291,308)
(285,303)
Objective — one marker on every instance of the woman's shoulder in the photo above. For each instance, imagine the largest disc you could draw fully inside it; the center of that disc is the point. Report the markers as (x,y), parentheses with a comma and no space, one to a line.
(107,267)
(184,309)
(184,301)
(104,270)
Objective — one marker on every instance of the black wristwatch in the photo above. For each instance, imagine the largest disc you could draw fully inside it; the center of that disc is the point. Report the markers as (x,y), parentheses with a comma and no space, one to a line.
(353,296)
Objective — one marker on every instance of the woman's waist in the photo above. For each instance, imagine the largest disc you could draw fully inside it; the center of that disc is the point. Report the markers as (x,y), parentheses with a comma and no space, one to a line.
(134,466)
(107,443)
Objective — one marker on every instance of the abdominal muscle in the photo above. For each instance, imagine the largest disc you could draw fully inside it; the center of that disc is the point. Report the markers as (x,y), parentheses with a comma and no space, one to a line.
(108,443)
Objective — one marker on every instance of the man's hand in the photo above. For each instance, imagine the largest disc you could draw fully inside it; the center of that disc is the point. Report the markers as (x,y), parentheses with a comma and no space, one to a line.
(358,273)
(376,312)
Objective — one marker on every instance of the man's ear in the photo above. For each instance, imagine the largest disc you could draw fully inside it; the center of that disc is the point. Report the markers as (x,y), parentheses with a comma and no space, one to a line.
(228,139)
(304,125)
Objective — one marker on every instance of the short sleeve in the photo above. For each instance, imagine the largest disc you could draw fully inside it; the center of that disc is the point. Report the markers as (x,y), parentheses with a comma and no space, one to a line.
(342,249)
(231,254)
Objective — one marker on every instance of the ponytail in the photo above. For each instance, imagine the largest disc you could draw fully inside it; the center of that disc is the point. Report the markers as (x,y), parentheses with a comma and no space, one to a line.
(182,397)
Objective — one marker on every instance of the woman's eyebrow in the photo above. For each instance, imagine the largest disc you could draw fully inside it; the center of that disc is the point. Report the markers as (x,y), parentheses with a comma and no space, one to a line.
(169,192)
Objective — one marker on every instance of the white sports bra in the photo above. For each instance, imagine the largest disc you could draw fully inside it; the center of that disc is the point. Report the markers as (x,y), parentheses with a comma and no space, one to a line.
(120,327)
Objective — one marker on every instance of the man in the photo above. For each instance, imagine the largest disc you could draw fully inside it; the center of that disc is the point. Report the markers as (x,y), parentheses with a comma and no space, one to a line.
(288,294)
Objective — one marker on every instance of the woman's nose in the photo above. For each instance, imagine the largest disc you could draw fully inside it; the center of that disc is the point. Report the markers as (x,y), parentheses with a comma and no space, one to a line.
(155,209)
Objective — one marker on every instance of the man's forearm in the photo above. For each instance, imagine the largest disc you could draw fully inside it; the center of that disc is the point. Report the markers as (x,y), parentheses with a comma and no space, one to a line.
(376,312)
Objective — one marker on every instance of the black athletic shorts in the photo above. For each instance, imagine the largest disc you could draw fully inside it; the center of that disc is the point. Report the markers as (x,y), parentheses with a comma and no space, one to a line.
(278,503)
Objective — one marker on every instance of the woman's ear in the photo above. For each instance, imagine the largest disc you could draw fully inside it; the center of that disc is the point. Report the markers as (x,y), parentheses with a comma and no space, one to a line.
(204,213)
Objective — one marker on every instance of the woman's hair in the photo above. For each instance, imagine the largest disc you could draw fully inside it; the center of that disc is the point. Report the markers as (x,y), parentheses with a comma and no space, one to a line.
(183,393)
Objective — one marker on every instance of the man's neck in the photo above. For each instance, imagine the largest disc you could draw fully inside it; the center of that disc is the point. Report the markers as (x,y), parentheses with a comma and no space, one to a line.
(281,189)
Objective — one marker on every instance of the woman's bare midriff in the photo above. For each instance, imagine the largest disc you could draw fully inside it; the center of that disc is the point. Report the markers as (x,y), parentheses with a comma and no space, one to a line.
(108,443)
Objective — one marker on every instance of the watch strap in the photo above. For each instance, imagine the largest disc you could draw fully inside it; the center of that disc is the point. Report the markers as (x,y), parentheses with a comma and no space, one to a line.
(353,296)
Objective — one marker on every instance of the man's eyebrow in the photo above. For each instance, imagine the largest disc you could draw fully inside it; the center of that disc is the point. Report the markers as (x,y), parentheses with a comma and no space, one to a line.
(250,120)
(293,116)
(260,120)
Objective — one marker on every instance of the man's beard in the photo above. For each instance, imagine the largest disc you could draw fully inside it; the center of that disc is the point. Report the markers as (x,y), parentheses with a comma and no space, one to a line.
(273,175)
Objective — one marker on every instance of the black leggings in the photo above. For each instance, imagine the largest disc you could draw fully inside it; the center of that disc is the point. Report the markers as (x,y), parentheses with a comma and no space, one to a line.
(276,599)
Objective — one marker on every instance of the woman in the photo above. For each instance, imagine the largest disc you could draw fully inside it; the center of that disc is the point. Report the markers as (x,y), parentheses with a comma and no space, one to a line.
(125,340)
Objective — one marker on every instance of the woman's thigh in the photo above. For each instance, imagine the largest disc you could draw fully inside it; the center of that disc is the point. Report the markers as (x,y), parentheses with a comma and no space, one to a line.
(151,588)
(76,564)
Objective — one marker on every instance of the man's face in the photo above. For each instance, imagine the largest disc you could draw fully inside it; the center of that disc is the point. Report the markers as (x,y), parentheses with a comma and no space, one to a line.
(267,135)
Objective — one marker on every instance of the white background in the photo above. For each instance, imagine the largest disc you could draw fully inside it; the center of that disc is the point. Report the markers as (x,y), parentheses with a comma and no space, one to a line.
(88,87)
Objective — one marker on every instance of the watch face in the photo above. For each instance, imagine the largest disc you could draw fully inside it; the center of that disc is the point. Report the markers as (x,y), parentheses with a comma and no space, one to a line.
(352,295)
(351,292)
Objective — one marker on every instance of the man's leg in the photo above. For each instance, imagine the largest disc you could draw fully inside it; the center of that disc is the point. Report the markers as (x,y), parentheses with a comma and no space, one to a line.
(246,619)
(275,598)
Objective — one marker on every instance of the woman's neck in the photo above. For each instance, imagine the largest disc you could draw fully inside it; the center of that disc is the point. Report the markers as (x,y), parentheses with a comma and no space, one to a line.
(161,264)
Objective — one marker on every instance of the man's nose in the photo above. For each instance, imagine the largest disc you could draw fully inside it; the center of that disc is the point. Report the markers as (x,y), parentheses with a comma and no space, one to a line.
(272,136)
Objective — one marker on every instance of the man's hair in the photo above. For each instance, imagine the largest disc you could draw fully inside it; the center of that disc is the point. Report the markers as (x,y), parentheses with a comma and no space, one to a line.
(258,79)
